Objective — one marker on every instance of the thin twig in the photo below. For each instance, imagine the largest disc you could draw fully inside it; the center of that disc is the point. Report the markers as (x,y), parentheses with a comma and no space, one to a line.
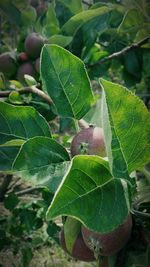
(28,190)
(140,213)
(31,89)
(123,51)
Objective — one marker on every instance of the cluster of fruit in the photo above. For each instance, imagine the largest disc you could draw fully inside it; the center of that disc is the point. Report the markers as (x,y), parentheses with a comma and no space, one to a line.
(89,245)
(15,66)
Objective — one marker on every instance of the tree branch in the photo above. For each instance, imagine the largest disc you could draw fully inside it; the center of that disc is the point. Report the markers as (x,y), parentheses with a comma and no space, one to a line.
(123,51)
(140,213)
(31,89)
(28,190)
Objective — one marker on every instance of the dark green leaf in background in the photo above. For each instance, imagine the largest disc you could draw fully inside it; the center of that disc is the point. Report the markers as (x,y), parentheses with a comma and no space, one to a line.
(11,201)
(66,81)
(75,22)
(73,6)
(11,11)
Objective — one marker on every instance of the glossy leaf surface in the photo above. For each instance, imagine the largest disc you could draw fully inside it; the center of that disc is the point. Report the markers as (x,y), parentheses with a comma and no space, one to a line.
(126,123)
(19,122)
(42,160)
(66,81)
(89,193)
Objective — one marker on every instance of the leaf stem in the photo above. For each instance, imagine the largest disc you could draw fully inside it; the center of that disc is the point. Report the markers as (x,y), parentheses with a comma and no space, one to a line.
(76,125)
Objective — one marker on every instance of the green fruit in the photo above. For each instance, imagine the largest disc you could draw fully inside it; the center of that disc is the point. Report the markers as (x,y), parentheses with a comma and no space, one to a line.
(7,65)
(107,244)
(80,251)
(25,68)
(89,141)
(33,45)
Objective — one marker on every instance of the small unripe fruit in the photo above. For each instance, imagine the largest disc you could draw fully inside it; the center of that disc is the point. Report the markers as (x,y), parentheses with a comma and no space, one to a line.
(37,65)
(80,251)
(107,244)
(33,45)
(89,141)
(7,65)
(23,57)
(25,68)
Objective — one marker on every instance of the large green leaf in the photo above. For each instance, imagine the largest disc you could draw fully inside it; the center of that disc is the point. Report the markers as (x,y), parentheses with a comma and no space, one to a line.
(66,81)
(75,22)
(89,193)
(42,161)
(126,123)
(18,122)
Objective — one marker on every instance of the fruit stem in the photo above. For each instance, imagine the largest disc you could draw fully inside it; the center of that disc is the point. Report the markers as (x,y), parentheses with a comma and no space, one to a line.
(76,125)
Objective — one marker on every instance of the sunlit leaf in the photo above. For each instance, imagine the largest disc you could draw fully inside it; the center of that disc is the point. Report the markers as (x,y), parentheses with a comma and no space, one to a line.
(126,123)
(89,193)
(66,81)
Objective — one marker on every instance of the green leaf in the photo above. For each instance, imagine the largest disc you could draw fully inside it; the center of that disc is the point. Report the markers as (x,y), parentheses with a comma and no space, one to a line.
(27,256)
(42,161)
(7,156)
(74,6)
(60,40)
(89,193)
(18,122)
(51,25)
(75,22)
(28,16)
(131,22)
(11,11)
(126,123)
(66,81)
(30,80)
(11,201)
(15,98)
(72,228)
(8,153)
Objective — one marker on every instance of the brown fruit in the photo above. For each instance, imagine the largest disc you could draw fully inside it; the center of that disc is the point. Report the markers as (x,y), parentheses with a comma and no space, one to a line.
(25,68)
(37,65)
(80,250)
(23,57)
(33,45)
(89,141)
(107,244)
(7,65)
